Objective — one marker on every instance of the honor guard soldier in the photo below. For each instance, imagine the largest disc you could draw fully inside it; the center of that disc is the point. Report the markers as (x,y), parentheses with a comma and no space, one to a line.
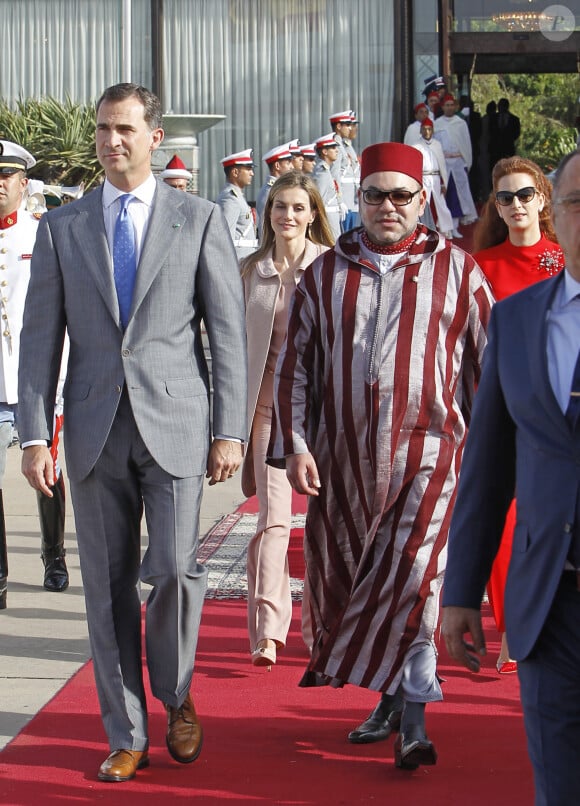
(453,133)
(279,161)
(309,158)
(296,154)
(345,169)
(354,219)
(436,214)
(17,236)
(413,130)
(176,174)
(435,88)
(241,218)
(327,153)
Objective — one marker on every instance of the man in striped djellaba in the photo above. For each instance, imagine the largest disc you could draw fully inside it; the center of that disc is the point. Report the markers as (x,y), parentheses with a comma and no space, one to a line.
(373,396)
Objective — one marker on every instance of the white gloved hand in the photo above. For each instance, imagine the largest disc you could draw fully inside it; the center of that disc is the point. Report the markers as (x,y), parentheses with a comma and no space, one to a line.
(343,211)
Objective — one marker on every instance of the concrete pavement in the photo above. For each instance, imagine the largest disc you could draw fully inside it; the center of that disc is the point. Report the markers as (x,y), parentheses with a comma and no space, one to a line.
(43,636)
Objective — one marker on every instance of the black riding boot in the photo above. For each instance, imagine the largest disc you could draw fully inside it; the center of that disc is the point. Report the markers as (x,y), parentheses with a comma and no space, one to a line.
(413,746)
(381,722)
(3,557)
(51,513)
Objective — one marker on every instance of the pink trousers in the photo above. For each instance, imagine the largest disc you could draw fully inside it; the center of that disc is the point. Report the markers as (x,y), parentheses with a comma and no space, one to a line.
(269,599)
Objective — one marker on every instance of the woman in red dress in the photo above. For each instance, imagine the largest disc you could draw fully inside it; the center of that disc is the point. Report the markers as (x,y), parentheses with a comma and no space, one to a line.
(515,245)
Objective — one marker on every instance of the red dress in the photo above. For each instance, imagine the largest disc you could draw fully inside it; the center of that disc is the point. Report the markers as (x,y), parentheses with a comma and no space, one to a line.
(509,269)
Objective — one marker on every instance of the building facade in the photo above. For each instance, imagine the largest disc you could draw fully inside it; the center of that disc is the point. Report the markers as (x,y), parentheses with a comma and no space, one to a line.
(274,69)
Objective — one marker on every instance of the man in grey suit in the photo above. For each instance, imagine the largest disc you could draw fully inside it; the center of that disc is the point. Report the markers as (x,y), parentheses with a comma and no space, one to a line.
(137,430)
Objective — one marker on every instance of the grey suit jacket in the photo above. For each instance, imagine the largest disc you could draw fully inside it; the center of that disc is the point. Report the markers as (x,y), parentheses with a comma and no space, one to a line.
(188,270)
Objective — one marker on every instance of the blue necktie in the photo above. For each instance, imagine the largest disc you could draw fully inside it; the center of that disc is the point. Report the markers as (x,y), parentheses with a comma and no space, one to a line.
(573,410)
(124,258)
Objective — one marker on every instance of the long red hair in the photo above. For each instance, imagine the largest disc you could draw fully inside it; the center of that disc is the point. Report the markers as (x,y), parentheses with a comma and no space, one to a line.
(491,228)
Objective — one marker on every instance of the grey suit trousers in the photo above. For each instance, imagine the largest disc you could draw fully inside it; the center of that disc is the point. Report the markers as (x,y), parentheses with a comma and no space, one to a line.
(108,505)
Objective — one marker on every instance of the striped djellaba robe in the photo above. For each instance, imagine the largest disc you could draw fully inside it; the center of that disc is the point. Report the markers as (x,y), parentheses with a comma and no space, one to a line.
(376,380)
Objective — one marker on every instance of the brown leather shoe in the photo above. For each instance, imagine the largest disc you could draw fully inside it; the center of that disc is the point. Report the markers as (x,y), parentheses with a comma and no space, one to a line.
(122,765)
(184,734)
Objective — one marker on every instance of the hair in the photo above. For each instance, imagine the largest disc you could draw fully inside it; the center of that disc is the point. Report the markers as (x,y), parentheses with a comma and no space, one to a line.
(319,231)
(491,228)
(560,169)
(151,104)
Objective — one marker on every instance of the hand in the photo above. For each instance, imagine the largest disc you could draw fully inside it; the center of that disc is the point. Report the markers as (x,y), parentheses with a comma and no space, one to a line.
(38,467)
(302,473)
(343,211)
(456,622)
(224,459)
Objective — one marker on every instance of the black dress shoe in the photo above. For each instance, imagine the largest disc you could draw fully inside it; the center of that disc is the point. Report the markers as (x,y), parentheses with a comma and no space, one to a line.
(55,575)
(384,720)
(413,748)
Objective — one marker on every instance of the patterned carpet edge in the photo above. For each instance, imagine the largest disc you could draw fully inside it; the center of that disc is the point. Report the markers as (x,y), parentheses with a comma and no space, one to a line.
(224,551)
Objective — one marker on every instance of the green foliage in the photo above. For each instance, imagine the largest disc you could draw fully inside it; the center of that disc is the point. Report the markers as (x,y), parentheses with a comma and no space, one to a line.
(61,136)
(555,96)
(547,105)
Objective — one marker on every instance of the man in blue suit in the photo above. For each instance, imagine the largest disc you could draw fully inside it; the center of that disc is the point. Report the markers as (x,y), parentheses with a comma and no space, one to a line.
(525,440)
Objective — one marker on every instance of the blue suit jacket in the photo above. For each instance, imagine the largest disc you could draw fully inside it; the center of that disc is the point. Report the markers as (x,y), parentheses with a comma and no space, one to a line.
(519,443)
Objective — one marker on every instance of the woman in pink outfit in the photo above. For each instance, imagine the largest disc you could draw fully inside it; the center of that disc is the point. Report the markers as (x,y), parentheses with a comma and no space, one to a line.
(295,232)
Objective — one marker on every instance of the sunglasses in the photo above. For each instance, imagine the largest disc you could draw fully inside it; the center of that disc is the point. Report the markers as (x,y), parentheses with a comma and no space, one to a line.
(506,197)
(400,198)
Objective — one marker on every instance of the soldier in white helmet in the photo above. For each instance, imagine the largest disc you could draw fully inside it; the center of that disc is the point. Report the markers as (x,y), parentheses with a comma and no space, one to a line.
(279,161)
(346,169)
(17,236)
(241,218)
(329,187)
(296,152)
(309,158)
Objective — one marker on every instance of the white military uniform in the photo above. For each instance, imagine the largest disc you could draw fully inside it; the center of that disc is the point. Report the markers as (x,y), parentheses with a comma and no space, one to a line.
(435,173)
(241,219)
(330,192)
(453,134)
(412,133)
(16,244)
(261,200)
(346,171)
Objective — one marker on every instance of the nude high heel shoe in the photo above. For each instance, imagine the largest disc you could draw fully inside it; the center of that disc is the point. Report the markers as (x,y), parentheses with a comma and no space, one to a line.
(265,653)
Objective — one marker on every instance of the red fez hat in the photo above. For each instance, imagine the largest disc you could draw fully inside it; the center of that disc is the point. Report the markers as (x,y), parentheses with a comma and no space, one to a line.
(433,94)
(427,122)
(392,157)
(175,169)
(421,106)
(448,97)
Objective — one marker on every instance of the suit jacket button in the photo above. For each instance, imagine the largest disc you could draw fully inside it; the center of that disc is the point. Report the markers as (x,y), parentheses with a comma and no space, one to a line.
(118,389)
(126,353)
(567,527)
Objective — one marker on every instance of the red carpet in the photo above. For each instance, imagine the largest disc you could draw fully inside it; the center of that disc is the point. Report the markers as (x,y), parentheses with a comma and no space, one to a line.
(269,742)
